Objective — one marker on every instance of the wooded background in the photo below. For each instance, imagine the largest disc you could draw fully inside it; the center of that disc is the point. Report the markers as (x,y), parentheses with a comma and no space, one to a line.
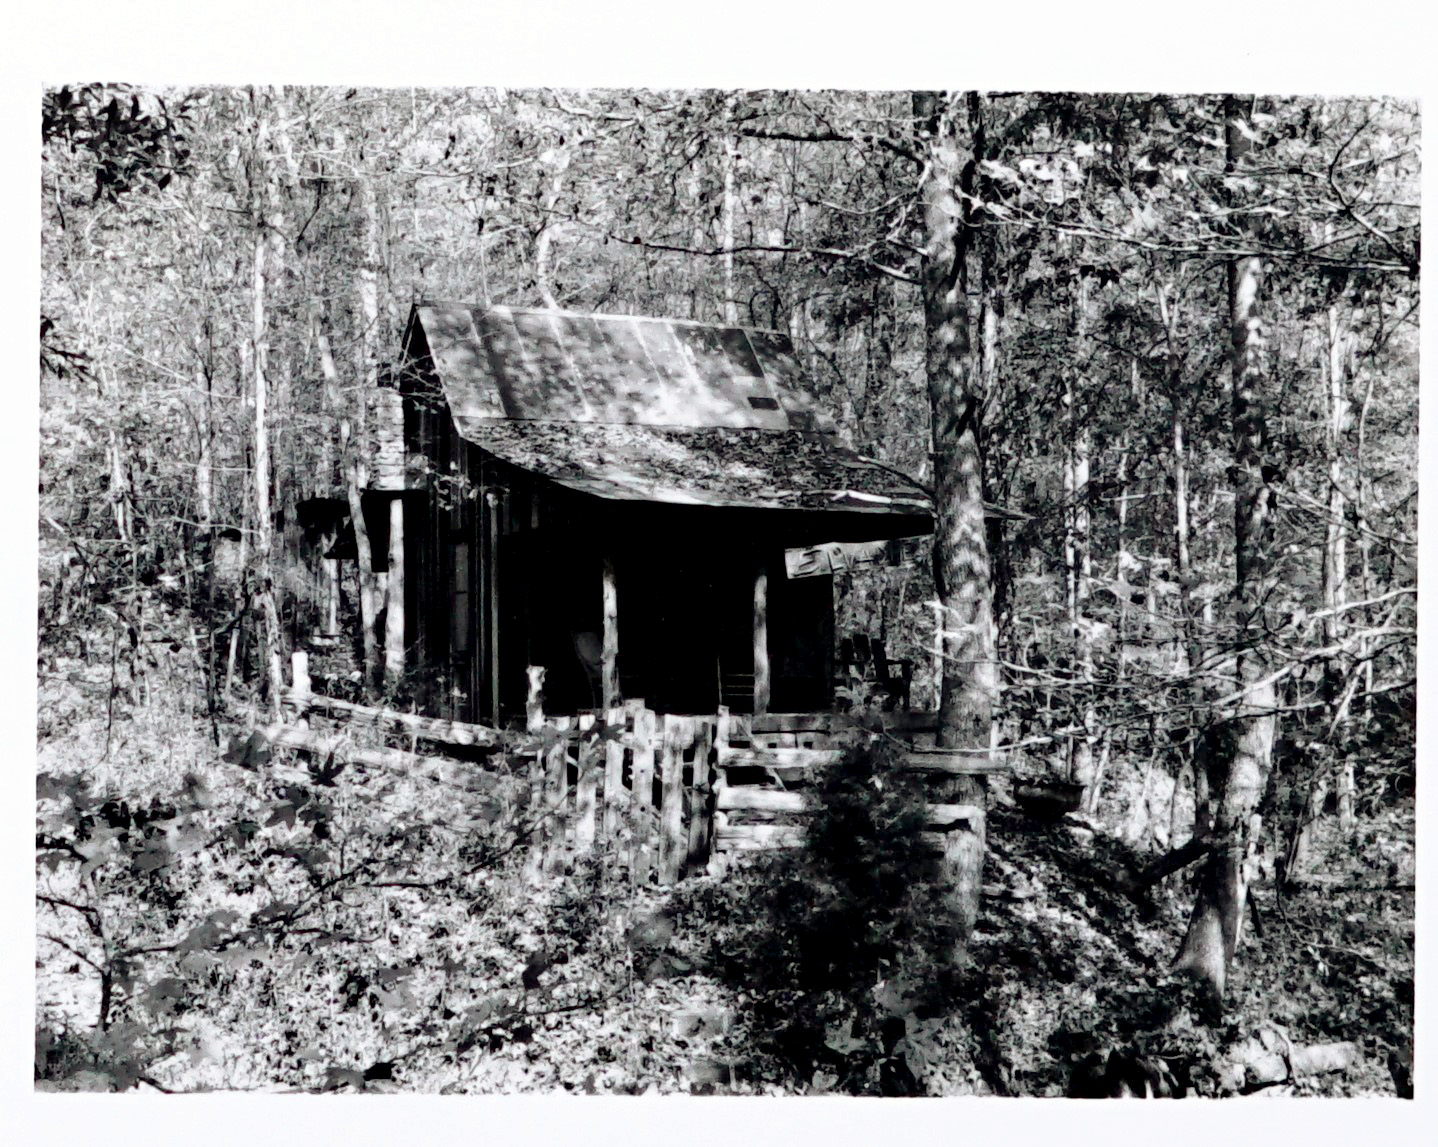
(1178,333)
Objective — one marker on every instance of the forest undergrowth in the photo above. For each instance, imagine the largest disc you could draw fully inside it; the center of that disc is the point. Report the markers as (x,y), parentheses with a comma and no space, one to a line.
(211,917)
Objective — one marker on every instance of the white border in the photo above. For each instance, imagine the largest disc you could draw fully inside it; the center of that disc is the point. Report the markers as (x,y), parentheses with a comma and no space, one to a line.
(1245,45)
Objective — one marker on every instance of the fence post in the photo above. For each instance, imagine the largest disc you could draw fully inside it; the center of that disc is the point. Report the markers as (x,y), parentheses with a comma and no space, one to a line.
(678,733)
(534,699)
(556,798)
(300,673)
(615,720)
(586,794)
(700,805)
(534,724)
(641,807)
(300,683)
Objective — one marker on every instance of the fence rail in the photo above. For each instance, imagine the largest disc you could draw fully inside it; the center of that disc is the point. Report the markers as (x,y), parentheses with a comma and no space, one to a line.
(766,766)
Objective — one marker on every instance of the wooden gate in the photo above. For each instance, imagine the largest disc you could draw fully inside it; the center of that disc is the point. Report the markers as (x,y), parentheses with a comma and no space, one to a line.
(629,784)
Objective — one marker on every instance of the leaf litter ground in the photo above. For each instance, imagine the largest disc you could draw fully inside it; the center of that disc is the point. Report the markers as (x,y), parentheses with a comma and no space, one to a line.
(346,937)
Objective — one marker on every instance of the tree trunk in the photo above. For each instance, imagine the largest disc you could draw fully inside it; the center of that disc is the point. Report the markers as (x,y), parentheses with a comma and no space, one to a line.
(330,478)
(729,161)
(1175,807)
(1123,561)
(1000,568)
(558,160)
(121,504)
(1335,561)
(394,596)
(266,223)
(353,439)
(355,480)
(969,681)
(1198,754)
(204,461)
(1078,557)
(1335,543)
(1213,930)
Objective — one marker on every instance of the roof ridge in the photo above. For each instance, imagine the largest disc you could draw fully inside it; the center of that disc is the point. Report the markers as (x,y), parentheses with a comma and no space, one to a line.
(567,313)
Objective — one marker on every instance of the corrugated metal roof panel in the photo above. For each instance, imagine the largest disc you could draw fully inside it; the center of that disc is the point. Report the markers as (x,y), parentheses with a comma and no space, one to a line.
(503,362)
(551,386)
(459,352)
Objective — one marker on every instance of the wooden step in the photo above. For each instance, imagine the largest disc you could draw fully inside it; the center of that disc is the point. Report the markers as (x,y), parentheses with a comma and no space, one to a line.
(955,762)
(751,798)
(756,837)
(755,799)
(900,722)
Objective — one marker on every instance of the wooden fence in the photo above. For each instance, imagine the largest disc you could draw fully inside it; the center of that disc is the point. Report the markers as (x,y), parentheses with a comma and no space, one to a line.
(659,795)
(628,784)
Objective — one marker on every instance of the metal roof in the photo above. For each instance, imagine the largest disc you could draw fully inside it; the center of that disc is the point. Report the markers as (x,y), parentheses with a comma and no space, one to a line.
(514,363)
(720,467)
(657,410)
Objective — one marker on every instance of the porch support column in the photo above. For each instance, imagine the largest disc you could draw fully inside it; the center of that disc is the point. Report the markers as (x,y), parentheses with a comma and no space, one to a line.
(609,683)
(488,612)
(329,597)
(761,640)
(394,593)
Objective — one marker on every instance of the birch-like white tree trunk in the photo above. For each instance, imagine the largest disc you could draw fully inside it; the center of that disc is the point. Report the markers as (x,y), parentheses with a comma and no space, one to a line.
(1213,931)
(268,222)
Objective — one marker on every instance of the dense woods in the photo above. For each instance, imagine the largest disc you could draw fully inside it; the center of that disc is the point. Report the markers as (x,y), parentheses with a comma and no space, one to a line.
(1174,338)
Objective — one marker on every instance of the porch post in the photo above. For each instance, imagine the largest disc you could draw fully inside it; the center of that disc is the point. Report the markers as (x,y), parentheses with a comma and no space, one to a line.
(609,683)
(488,612)
(394,592)
(761,640)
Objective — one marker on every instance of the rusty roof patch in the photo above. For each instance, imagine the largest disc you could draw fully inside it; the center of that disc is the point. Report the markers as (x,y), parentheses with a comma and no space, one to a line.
(760,469)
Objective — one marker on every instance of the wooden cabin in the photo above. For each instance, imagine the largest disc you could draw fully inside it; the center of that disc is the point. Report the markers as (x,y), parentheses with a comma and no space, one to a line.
(635,504)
